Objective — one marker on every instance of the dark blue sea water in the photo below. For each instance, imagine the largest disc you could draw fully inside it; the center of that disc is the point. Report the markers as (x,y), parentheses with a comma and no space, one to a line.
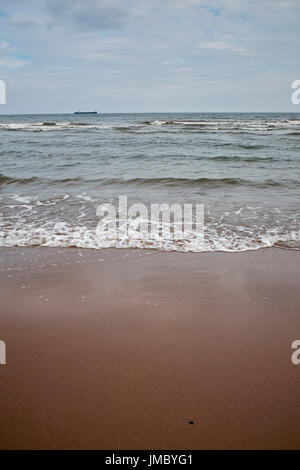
(245,168)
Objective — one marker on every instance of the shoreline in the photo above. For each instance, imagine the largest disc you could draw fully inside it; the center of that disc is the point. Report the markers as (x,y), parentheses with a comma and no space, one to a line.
(123,348)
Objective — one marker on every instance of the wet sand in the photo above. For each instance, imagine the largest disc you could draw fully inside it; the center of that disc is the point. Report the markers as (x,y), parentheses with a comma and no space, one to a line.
(122,349)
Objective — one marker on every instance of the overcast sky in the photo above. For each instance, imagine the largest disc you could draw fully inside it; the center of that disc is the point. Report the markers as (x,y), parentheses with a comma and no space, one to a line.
(149,55)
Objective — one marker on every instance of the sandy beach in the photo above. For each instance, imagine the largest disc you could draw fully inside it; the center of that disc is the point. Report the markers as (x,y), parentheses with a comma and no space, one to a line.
(140,349)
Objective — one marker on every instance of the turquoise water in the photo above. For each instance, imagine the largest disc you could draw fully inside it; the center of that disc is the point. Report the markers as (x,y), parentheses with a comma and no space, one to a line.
(245,168)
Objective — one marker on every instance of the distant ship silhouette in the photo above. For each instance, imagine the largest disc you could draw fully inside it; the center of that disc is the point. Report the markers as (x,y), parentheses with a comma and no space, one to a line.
(86,112)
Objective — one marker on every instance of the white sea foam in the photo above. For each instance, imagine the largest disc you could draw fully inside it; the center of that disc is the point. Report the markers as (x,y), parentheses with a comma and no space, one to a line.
(56,126)
(212,124)
(62,234)
(231,125)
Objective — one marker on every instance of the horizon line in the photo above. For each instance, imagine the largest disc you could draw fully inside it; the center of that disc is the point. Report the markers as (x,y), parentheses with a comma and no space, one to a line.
(154,112)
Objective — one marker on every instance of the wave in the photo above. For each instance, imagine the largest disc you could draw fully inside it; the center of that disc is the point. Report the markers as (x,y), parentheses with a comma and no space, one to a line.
(238,145)
(226,125)
(202,125)
(9,179)
(224,158)
(63,234)
(35,179)
(51,126)
(293,121)
(165,181)
(70,220)
(160,123)
(62,125)
(196,182)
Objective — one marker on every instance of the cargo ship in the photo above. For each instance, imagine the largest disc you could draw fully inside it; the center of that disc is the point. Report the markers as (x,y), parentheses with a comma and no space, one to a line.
(86,112)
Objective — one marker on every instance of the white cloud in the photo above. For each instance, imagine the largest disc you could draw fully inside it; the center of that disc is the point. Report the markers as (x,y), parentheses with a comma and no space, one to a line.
(4,44)
(169,87)
(12,62)
(133,47)
(220,46)
(184,69)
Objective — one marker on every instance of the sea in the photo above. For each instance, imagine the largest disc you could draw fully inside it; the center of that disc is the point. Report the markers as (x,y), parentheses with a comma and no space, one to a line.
(244,168)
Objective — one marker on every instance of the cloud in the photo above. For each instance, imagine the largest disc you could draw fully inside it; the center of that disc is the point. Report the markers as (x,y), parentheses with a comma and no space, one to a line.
(4,44)
(169,87)
(172,62)
(221,46)
(20,20)
(89,14)
(12,4)
(137,51)
(7,58)
(184,69)
(12,62)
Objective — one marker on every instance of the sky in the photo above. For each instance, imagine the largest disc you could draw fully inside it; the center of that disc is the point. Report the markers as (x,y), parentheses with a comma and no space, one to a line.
(57,56)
